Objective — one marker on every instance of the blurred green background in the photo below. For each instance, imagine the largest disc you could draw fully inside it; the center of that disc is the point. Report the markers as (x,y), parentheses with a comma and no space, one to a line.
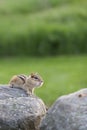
(48,37)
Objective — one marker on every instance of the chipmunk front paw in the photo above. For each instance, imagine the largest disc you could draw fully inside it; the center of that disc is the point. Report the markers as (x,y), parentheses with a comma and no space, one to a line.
(11,85)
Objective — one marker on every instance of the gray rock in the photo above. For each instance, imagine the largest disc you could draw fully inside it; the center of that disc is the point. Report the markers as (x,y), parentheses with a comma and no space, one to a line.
(18,111)
(67,113)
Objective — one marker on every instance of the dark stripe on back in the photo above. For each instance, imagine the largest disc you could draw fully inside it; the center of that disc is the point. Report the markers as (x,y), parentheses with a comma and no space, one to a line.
(22,77)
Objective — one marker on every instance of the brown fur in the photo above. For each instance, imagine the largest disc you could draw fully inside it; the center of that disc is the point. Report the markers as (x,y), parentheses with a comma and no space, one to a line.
(27,83)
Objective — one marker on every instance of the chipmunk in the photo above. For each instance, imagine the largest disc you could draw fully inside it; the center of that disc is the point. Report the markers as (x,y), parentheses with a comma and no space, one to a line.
(28,83)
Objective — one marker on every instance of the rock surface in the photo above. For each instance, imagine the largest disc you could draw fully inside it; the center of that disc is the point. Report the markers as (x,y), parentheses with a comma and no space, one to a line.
(67,113)
(18,111)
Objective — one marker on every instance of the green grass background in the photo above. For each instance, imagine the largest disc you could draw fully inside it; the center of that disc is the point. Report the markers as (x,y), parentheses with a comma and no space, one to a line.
(62,75)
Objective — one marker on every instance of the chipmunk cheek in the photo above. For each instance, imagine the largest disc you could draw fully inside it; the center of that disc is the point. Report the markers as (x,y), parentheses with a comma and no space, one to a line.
(37,84)
(40,83)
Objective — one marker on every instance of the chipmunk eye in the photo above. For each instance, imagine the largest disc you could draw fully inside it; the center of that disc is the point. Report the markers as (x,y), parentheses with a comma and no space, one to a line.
(36,77)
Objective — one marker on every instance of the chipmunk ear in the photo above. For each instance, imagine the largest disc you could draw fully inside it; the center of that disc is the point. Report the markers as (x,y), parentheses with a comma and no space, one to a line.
(32,75)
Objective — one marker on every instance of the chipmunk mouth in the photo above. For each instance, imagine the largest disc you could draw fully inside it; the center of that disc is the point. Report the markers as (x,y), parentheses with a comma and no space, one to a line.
(41,83)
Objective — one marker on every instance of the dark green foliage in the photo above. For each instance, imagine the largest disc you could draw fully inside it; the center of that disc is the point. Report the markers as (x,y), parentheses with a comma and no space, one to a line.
(56,31)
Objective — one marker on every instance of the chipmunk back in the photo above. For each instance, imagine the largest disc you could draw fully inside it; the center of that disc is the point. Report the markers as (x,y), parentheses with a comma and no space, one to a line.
(18,80)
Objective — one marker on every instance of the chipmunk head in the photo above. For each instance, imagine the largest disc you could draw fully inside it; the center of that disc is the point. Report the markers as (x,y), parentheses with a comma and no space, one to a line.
(17,80)
(35,80)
